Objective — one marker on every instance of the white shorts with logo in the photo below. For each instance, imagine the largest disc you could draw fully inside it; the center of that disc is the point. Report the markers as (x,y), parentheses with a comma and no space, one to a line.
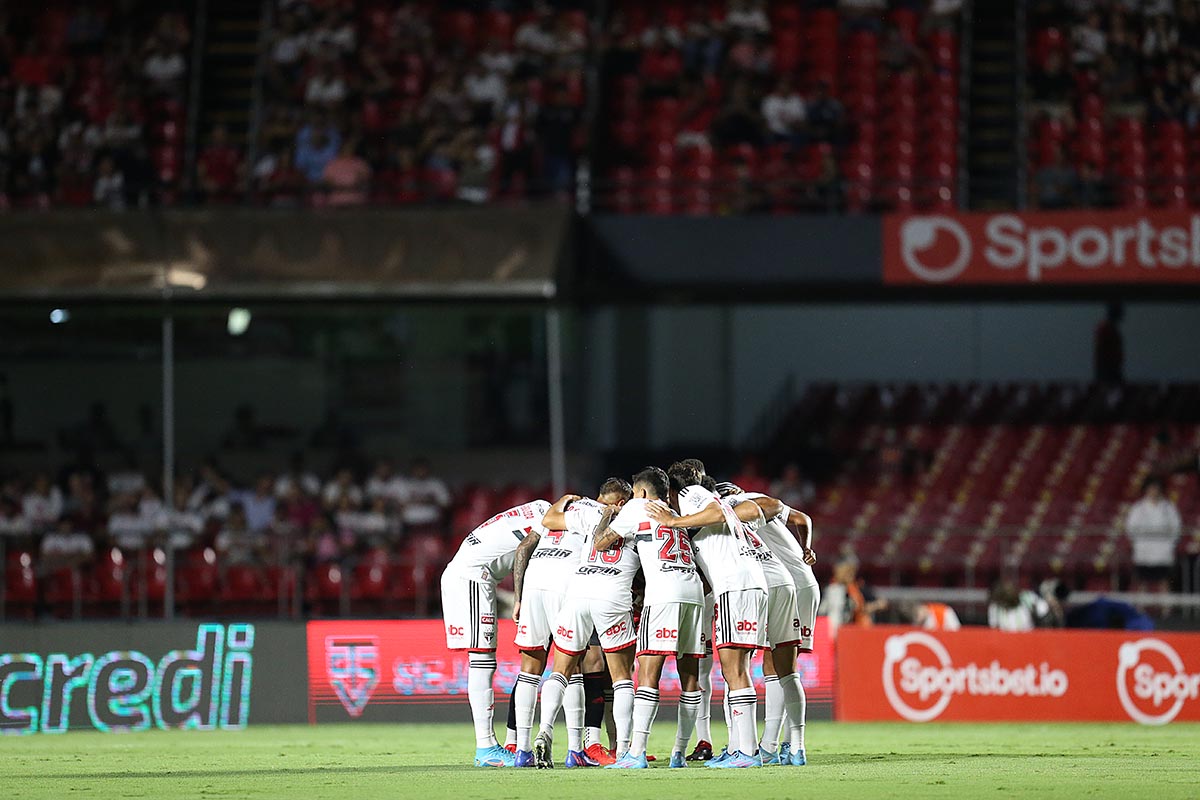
(671,629)
(469,611)
(611,619)
(741,619)
(808,598)
(783,619)
(539,610)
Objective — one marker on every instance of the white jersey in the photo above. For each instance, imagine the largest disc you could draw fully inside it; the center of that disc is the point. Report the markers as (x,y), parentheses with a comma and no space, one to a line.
(608,574)
(725,556)
(666,556)
(776,535)
(488,552)
(558,553)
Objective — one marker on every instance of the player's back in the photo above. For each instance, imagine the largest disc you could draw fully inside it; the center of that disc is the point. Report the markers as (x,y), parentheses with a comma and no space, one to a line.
(489,548)
(721,550)
(559,553)
(606,574)
(776,535)
(666,556)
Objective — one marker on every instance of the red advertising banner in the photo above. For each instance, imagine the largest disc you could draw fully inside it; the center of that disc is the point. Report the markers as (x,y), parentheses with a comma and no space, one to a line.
(980,675)
(1053,247)
(358,667)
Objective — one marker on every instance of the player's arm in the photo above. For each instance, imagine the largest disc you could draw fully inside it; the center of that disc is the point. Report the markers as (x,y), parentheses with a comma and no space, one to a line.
(711,514)
(524,552)
(556,515)
(801,523)
(606,537)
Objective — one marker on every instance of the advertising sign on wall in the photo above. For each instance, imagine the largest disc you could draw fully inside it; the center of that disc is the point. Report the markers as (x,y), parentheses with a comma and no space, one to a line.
(981,675)
(1061,247)
(359,669)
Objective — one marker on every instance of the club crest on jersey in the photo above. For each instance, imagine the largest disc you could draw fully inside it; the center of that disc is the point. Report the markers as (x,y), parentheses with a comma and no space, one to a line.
(352,667)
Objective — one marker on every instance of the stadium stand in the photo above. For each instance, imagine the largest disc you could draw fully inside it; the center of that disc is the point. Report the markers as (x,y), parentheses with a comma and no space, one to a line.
(931,486)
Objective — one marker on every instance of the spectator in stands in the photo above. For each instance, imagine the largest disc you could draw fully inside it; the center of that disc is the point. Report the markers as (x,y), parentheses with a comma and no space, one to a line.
(517,120)
(1056,185)
(1159,42)
(536,37)
(1109,347)
(219,167)
(847,600)
(13,524)
(558,121)
(327,87)
(703,42)
(288,46)
(793,488)
(163,68)
(936,617)
(785,113)
(298,477)
(485,90)
(476,162)
(1005,610)
(66,546)
(317,143)
(738,121)
(424,498)
(43,504)
(108,191)
(1153,526)
(341,486)
(1088,41)
(258,506)
(826,115)
(236,543)
(347,177)
(748,16)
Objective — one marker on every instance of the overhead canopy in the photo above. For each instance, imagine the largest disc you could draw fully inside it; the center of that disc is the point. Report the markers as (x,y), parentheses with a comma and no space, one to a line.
(343,253)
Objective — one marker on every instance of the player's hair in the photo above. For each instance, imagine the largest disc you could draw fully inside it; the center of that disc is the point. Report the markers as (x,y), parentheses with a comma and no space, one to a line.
(683,474)
(617,486)
(655,481)
(726,488)
(707,482)
(695,464)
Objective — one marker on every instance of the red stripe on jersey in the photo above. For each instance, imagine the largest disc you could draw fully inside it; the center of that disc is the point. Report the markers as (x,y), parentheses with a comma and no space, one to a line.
(643,526)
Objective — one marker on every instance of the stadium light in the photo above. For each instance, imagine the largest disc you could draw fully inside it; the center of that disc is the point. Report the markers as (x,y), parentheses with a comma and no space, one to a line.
(239,321)
(59,315)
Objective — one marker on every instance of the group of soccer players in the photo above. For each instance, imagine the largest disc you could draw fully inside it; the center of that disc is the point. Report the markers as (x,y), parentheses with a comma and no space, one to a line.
(722,571)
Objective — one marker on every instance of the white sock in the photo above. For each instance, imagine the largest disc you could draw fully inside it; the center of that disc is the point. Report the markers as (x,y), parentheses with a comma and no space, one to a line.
(610,721)
(480,672)
(573,703)
(510,737)
(689,707)
(552,700)
(704,712)
(623,714)
(796,703)
(774,717)
(525,698)
(743,709)
(591,736)
(731,737)
(645,709)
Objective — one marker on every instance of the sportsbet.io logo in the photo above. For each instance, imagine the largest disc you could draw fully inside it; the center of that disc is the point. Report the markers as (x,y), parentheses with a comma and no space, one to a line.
(920,679)
(1160,683)
(931,256)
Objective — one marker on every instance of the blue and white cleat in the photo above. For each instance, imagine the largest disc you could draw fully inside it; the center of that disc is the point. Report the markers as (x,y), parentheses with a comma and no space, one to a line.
(798,759)
(769,759)
(740,760)
(578,758)
(785,754)
(630,761)
(542,757)
(494,756)
(677,760)
(524,758)
(721,759)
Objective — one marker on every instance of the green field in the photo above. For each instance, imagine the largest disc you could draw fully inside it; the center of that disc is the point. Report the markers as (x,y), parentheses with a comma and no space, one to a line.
(432,762)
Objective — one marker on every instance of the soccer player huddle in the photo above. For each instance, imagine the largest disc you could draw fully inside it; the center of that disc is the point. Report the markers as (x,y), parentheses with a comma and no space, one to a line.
(722,572)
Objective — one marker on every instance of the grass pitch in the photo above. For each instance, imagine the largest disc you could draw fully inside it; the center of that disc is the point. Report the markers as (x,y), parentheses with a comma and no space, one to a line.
(432,762)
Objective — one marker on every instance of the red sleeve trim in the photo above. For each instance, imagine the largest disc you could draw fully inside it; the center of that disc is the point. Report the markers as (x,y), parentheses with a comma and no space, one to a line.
(630,643)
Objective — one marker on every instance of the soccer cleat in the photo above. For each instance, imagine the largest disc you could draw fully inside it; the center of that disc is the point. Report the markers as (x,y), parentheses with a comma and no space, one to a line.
(721,759)
(578,758)
(600,754)
(703,752)
(494,756)
(542,757)
(739,760)
(798,759)
(524,758)
(677,760)
(630,761)
(769,759)
(511,747)
(651,758)
(785,753)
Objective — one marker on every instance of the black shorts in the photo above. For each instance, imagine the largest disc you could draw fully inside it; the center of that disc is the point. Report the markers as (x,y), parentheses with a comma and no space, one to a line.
(595,640)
